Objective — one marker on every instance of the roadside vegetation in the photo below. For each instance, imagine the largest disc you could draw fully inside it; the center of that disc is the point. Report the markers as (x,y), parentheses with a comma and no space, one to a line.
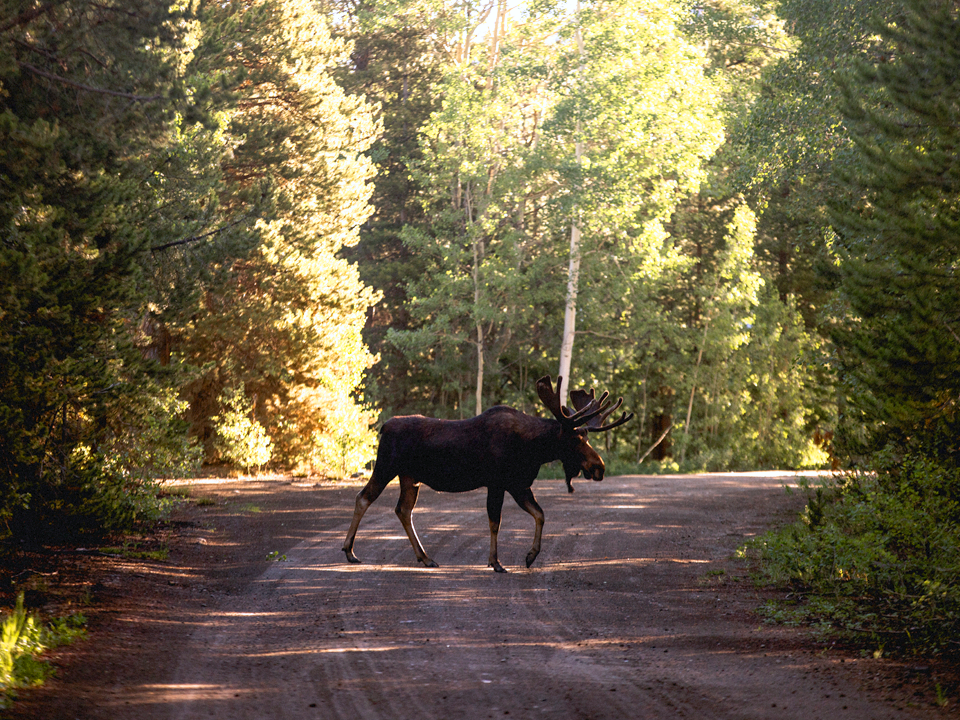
(23,640)
(875,558)
(876,554)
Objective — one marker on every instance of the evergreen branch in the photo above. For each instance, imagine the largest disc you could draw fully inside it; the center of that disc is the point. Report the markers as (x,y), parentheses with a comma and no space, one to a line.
(40,51)
(29,15)
(88,88)
(201,236)
(950,329)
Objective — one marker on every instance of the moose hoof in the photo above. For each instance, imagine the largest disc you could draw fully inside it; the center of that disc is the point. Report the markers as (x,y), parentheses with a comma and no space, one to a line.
(427,562)
(531,557)
(351,557)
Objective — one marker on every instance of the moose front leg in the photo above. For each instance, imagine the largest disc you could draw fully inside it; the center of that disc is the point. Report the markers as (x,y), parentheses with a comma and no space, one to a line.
(409,490)
(528,502)
(494,511)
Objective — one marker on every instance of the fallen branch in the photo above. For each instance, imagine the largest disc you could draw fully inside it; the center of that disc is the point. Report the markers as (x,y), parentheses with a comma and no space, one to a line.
(659,440)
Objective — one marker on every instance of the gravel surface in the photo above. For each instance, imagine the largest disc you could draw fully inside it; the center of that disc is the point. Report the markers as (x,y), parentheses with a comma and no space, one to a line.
(635,609)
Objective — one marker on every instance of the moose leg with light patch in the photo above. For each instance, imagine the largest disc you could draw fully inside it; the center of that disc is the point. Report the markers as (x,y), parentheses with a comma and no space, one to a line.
(528,502)
(365,498)
(494,512)
(409,491)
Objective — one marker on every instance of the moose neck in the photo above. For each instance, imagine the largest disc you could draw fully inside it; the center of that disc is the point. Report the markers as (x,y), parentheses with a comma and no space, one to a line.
(552,441)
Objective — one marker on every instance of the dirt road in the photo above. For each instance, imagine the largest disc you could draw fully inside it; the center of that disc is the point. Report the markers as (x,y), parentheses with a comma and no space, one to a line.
(634,609)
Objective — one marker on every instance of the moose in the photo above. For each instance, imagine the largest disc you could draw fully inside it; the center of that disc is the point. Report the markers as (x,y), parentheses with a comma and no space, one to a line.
(501,449)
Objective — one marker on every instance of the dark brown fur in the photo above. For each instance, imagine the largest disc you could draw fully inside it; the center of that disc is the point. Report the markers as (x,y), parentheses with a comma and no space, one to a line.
(501,449)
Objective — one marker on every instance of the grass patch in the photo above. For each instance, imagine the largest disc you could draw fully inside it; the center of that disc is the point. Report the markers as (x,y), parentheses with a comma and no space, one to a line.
(23,639)
(133,551)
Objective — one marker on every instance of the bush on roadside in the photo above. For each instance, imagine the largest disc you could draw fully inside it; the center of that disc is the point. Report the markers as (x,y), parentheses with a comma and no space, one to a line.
(22,640)
(876,555)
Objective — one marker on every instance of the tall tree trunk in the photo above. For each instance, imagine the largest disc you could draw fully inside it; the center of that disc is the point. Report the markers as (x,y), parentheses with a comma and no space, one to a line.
(477,254)
(570,310)
(693,391)
(573,272)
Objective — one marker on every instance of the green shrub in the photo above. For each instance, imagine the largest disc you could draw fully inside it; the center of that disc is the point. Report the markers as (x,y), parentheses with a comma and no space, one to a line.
(877,554)
(22,640)
(240,438)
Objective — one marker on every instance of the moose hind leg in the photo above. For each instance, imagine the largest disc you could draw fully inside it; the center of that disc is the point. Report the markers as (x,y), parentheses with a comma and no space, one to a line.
(528,502)
(494,512)
(409,490)
(365,498)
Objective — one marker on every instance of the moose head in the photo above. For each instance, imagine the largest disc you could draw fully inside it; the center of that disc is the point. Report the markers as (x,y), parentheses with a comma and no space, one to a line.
(590,414)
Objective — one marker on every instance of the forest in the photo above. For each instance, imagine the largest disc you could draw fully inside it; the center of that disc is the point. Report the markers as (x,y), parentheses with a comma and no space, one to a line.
(244,233)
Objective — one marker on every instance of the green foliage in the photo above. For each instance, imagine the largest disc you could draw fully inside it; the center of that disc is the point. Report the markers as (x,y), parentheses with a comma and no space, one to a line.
(82,102)
(22,640)
(162,225)
(274,309)
(896,240)
(399,49)
(502,183)
(877,555)
(672,305)
(240,438)
(858,129)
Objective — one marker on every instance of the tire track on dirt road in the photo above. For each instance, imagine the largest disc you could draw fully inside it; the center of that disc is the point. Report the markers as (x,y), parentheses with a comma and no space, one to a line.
(630,612)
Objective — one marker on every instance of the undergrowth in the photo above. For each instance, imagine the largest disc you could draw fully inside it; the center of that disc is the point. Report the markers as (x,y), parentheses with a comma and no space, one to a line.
(23,639)
(874,556)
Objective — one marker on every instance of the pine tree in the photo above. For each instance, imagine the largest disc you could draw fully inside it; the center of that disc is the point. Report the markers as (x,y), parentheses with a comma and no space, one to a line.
(86,89)
(398,51)
(898,246)
(276,312)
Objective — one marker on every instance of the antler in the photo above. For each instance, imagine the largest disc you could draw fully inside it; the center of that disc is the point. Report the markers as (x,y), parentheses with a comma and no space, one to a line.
(551,398)
(590,411)
(600,427)
(584,402)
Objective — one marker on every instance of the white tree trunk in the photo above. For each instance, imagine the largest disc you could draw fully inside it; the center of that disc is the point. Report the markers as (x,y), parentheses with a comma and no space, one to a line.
(479,368)
(573,272)
(570,310)
(478,252)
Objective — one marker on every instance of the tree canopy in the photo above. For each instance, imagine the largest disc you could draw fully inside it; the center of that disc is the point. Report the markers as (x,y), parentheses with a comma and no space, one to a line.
(177,182)
(896,228)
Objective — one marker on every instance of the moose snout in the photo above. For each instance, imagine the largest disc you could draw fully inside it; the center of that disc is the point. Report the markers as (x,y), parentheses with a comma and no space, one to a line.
(594,471)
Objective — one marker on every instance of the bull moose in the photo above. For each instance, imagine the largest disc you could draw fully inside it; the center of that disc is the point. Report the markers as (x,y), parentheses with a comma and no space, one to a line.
(501,449)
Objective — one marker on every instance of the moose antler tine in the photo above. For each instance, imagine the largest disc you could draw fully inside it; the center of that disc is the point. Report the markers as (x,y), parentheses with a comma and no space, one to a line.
(590,410)
(588,414)
(624,418)
(613,408)
(550,397)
